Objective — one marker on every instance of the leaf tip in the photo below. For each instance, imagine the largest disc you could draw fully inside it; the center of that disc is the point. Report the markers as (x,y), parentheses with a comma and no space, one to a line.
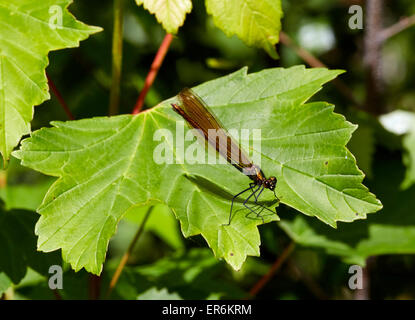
(17,154)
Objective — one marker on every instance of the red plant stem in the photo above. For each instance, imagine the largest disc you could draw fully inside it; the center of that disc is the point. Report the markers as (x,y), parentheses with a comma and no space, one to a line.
(274,268)
(314,62)
(155,66)
(301,52)
(57,294)
(60,98)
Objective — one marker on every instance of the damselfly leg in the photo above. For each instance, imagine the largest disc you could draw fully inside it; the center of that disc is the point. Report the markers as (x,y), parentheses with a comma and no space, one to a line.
(251,185)
(256,195)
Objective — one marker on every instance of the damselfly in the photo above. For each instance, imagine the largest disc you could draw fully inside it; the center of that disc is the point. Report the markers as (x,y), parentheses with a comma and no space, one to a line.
(196,113)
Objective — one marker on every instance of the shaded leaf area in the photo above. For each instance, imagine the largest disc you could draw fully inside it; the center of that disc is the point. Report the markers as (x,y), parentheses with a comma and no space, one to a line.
(391,231)
(170,13)
(106,166)
(362,146)
(363,142)
(193,275)
(22,188)
(25,196)
(257,23)
(153,243)
(35,286)
(161,222)
(18,246)
(180,275)
(29,31)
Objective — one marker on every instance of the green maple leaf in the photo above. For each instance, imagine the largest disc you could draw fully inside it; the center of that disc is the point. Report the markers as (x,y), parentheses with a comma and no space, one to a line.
(106,166)
(30,29)
(257,23)
(391,231)
(170,13)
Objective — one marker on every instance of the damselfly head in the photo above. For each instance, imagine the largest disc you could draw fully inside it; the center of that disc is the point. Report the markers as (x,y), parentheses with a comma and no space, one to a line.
(270,183)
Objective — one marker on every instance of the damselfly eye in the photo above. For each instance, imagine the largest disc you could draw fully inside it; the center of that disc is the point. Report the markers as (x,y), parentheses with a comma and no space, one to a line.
(271,183)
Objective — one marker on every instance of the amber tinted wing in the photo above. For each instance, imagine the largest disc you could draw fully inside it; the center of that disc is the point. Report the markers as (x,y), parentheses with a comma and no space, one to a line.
(196,113)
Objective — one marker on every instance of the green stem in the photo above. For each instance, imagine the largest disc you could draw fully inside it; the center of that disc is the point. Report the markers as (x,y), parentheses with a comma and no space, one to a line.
(127,254)
(116,57)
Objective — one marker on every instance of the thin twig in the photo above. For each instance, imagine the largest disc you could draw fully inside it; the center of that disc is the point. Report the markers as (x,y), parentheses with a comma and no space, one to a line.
(94,287)
(274,268)
(314,62)
(301,52)
(155,66)
(372,56)
(117,46)
(398,27)
(127,254)
(60,98)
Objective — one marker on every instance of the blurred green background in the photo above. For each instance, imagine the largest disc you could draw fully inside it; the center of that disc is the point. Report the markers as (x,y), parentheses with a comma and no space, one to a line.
(164,264)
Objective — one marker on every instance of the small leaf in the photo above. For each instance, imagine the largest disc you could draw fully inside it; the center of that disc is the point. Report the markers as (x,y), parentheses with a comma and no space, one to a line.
(106,166)
(170,13)
(409,157)
(401,122)
(30,30)
(257,23)
(156,294)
